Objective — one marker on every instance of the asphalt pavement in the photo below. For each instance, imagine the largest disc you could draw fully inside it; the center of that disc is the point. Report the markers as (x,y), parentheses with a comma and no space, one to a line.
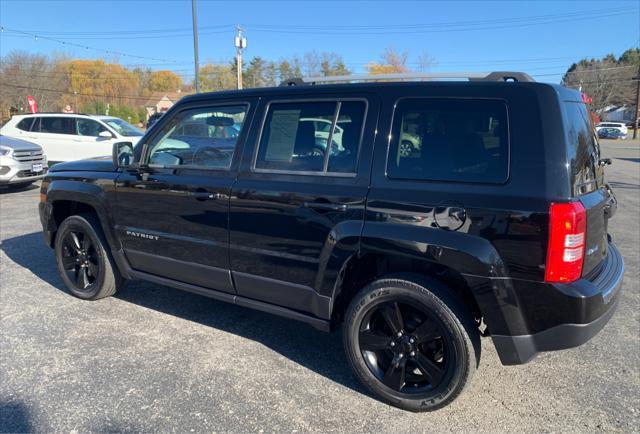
(156,359)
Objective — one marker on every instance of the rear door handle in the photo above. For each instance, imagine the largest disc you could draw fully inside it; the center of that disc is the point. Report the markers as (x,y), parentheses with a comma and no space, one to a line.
(340,207)
(205,195)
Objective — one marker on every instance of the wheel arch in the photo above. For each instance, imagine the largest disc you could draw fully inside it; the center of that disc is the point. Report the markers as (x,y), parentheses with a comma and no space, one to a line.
(67,197)
(461,262)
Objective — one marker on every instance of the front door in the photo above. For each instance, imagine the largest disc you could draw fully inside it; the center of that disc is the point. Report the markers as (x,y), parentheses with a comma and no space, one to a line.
(89,142)
(300,198)
(172,213)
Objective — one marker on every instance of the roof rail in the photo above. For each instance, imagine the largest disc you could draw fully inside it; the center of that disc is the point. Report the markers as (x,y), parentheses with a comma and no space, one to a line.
(53,113)
(412,76)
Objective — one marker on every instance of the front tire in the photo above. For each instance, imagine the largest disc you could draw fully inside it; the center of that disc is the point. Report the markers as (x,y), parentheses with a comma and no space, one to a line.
(84,264)
(411,342)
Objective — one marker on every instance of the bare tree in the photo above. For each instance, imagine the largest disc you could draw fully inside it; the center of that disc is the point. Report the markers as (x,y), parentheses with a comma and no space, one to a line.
(425,62)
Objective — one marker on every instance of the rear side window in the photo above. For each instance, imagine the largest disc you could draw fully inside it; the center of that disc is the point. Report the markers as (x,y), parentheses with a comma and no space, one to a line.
(449,140)
(25,124)
(584,151)
(318,137)
(55,125)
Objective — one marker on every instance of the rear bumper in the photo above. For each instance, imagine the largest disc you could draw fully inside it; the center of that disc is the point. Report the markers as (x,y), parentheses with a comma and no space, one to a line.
(599,297)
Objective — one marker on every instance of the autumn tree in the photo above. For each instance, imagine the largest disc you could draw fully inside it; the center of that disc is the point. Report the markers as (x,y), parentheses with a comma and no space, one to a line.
(216,76)
(164,81)
(91,80)
(391,62)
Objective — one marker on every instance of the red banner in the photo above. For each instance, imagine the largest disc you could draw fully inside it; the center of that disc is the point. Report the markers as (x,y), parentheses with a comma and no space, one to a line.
(33,106)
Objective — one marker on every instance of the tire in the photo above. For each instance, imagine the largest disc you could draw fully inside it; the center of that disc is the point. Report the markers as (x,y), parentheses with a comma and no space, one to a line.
(402,364)
(91,275)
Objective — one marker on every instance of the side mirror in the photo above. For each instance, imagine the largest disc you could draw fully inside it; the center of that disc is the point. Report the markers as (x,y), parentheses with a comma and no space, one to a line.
(105,135)
(122,154)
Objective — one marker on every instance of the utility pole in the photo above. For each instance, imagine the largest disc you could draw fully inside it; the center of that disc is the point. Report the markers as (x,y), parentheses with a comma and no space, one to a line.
(195,45)
(241,44)
(635,121)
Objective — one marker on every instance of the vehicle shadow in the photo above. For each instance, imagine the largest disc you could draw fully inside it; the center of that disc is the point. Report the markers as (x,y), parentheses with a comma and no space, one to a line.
(15,417)
(6,189)
(318,351)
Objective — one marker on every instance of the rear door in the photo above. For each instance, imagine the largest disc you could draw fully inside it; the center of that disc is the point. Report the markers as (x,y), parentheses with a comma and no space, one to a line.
(587,174)
(299,193)
(56,135)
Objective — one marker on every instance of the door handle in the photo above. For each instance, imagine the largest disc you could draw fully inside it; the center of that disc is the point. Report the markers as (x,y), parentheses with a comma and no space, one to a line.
(205,195)
(340,207)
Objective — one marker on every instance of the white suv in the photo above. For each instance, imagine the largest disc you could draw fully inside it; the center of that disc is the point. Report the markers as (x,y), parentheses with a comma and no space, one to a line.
(617,125)
(71,136)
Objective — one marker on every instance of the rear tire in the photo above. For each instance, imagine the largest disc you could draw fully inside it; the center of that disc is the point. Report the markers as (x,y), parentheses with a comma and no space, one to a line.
(84,263)
(411,342)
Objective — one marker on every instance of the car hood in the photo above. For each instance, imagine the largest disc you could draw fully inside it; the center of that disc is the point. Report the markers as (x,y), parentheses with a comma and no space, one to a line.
(97,164)
(18,144)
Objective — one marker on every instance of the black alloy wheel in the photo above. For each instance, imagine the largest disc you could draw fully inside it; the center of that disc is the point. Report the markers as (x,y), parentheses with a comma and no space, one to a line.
(80,259)
(84,259)
(404,347)
(411,341)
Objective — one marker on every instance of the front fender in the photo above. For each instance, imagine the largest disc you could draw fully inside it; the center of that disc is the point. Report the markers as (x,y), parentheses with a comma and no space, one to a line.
(96,193)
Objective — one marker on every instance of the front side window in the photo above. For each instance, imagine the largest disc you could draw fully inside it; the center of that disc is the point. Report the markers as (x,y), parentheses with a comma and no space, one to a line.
(123,128)
(202,137)
(322,136)
(449,140)
(88,127)
(55,125)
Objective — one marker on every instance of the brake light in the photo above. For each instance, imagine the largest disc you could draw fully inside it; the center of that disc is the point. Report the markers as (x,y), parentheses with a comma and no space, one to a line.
(565,251)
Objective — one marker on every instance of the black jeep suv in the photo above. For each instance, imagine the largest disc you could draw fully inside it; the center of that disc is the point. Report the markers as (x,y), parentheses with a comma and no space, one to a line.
(418,215)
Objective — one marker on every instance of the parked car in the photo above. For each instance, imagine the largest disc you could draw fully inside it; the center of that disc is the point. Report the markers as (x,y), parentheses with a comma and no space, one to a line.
(414,256)
(617,125)
(611,133)
(21,162)
(71,136)
(631,124)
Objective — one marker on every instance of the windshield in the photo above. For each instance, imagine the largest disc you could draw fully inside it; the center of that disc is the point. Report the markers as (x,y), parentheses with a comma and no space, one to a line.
(123,128)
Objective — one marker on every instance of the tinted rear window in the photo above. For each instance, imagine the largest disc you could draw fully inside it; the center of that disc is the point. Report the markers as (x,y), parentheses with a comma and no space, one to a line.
(25,124)
(584,151)
(449,140)
(57,125)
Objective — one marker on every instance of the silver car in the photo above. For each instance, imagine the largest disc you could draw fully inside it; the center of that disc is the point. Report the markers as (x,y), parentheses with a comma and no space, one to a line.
(21,162)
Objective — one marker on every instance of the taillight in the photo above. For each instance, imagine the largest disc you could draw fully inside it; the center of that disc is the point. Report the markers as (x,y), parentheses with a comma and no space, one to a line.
(565,251)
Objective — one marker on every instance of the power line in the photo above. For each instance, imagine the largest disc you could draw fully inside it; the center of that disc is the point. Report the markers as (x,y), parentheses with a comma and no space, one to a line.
(575,15)
(17,86)
(454,26)
(87,47)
